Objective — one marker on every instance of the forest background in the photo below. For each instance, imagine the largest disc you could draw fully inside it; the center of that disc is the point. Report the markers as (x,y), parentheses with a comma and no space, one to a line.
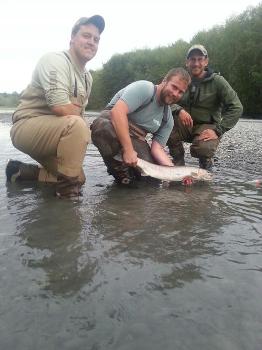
(235,50)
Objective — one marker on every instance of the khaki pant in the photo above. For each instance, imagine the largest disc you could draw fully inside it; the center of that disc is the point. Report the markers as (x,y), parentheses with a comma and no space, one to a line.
(57,143)
(198,149)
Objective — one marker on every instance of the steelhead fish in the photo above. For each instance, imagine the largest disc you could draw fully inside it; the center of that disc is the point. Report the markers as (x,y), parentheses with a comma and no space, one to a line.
(173,173)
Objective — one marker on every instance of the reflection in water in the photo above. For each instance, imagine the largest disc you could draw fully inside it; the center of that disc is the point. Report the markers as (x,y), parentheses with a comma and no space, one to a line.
(52,229)
(163,226)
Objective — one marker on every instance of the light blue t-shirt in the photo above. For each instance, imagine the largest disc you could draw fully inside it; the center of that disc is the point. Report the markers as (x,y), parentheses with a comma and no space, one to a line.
(150,118)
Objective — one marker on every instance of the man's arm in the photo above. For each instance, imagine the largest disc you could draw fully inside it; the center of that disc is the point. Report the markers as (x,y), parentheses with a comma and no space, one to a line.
(119,120)
(185,118)
(68,109)
(53,75)
(232,107)
(159,154)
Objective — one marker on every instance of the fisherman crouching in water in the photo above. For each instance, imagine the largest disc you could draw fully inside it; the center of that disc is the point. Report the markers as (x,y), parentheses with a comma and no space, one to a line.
(48,123)
(208,109)
(136,110)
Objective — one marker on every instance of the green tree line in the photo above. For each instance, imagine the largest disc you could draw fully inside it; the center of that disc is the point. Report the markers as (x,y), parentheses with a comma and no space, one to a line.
(9,100)
(235,50)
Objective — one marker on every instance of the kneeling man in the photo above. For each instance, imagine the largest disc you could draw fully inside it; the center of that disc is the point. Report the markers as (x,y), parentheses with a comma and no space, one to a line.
(136,110)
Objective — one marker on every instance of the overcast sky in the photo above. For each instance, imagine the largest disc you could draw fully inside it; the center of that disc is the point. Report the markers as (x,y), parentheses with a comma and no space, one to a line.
(30,28)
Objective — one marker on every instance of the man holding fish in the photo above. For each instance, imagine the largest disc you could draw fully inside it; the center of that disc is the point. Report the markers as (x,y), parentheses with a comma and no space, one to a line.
(135,111)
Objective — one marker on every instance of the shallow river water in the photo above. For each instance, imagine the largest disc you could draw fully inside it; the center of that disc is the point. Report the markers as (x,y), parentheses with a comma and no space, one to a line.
(154,267)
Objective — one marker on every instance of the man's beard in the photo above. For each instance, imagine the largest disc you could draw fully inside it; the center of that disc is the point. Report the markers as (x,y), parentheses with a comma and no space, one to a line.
(164,96)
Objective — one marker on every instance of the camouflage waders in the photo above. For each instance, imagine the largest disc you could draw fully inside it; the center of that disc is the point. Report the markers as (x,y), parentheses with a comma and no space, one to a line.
(105,139)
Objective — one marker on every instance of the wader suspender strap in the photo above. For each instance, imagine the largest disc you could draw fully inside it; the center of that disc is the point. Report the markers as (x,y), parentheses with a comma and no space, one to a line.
(75,89)
(164,120)
(146,104)
(165,114)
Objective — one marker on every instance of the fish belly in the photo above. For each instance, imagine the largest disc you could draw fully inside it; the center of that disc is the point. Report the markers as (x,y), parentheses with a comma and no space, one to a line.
(165,173)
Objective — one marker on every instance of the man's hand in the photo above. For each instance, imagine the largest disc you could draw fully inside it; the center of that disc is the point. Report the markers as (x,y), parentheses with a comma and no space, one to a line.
(119,120)
(130,157)
(207,135)
(185,118)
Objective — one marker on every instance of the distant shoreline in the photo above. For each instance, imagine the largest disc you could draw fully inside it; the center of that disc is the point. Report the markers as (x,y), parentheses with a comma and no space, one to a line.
(9,111)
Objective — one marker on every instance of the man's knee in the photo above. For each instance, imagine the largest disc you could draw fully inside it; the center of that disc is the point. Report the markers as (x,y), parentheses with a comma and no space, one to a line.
(102,127)
(176,148)
(79,128)
(178,135)
(205,149)
(104,137)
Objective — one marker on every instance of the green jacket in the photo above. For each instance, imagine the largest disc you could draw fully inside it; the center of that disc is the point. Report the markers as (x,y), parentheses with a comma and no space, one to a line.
(211,100)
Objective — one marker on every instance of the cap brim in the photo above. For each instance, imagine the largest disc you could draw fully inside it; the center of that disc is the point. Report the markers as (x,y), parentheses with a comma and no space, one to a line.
(98,21)
(195,51)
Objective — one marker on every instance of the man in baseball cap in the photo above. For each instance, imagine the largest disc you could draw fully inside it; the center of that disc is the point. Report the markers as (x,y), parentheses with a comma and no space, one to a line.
(49,123)
(208,109)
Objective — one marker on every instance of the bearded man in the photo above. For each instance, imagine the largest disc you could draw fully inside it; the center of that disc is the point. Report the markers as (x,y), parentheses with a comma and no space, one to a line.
(136,110)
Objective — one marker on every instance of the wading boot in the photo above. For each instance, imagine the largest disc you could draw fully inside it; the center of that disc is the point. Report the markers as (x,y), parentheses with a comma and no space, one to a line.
(17,171)
(206,163)
(68,187)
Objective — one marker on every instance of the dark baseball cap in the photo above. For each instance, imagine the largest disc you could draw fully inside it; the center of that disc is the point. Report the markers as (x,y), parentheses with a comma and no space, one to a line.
(200,48)
(96,20)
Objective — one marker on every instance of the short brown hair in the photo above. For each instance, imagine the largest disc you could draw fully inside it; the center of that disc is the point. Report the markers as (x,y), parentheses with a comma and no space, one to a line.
(179,71)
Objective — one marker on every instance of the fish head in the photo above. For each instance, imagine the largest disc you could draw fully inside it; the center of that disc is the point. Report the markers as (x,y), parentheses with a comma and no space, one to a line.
(202,175)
